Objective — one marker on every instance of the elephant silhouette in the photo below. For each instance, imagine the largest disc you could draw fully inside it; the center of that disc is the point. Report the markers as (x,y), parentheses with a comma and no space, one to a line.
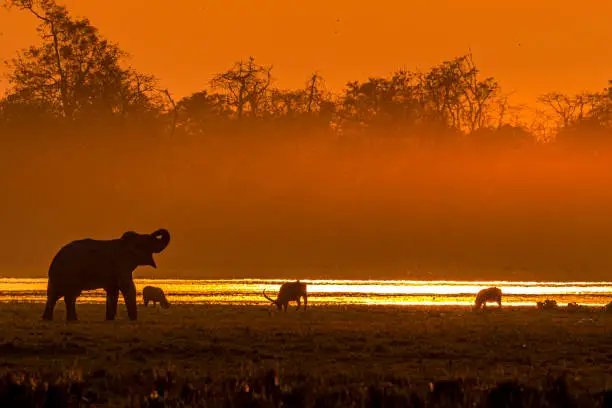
(89,264)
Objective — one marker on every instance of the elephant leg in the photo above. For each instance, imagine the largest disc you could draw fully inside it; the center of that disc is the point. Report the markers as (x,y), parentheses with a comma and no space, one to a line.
(146,302)
(112,297)
(52,298)
(128,290)
(70,301)
(50,306)
(298,304)
(305,302)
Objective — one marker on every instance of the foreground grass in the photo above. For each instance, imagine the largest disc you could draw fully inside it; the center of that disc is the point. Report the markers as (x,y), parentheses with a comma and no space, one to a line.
(207,346)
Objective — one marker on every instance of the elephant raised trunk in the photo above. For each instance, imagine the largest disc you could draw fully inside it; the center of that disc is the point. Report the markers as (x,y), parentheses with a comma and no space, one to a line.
(162,239)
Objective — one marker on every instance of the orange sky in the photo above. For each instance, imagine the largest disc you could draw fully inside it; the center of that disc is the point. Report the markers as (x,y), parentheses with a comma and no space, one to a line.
(564,44)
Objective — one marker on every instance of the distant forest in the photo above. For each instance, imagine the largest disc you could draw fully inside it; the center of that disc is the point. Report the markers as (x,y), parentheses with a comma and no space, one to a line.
(74,79)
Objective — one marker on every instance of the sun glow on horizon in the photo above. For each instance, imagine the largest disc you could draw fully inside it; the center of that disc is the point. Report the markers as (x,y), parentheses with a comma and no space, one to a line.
(339,292)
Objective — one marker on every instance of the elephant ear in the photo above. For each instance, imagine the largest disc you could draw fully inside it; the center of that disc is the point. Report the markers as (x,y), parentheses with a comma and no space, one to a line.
(137,249)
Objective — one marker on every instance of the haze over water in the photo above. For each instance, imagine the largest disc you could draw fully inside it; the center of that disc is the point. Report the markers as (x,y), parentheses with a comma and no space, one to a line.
(336,292)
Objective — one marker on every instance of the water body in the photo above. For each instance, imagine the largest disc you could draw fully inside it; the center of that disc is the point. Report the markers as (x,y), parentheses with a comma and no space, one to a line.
(335,292)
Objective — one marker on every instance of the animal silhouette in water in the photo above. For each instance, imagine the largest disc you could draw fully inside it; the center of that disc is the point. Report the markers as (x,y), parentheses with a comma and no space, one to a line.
(290,291)
(492,294)
(90,264)
(153,294)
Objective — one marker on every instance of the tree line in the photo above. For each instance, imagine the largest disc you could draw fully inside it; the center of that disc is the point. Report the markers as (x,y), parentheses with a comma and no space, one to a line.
(75,76)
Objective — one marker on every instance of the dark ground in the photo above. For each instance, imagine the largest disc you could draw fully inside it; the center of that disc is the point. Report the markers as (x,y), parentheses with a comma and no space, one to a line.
(353,346)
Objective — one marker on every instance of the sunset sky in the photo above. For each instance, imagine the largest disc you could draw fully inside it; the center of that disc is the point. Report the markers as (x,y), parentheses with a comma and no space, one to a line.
(532,47)
(259,206)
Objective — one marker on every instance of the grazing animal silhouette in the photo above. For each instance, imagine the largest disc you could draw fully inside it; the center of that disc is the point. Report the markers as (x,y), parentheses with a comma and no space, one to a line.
(575,307)
(492,294)
(153,294)
(548,304)
(290,291)
(90,264)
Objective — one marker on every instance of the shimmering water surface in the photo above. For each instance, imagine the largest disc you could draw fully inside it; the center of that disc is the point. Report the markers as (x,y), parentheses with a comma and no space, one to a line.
(330,292)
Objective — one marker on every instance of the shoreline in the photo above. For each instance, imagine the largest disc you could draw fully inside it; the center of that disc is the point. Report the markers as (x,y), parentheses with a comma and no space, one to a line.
(362,293)
(562,307)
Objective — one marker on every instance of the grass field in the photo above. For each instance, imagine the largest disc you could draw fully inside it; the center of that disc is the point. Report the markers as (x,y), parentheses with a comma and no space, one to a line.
(207,345)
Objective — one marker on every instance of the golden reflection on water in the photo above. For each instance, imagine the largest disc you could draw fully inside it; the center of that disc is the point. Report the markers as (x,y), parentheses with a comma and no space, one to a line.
(330,292)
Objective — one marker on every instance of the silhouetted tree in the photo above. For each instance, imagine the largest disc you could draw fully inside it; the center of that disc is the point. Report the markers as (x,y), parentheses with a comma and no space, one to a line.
(456,95)
(569,109)
(22,108)
(74,70)
(586,133)
(316,95)
(361,101)
(202,112)
(245,86)
(382,105)
(450,94)
(584,119)
(285,103)
(602,106)
(304,104)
